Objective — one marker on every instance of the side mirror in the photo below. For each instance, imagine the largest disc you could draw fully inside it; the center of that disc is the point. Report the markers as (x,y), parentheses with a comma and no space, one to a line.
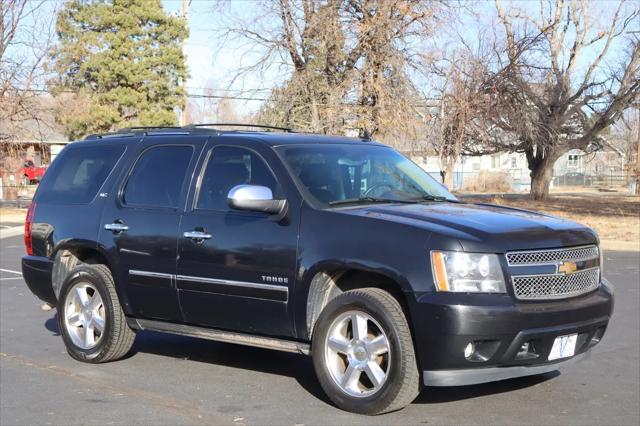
(254,198)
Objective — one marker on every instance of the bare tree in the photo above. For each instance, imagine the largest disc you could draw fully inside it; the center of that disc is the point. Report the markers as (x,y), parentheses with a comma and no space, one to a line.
(25,40)
(558,86)
(348,62)
(628,130)
(461,120)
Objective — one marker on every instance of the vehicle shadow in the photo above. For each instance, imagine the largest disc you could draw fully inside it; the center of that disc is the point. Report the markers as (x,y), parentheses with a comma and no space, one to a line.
(298,367)
(52,325)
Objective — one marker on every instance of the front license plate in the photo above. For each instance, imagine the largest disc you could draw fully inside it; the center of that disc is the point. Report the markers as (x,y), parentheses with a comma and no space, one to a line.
(563,347)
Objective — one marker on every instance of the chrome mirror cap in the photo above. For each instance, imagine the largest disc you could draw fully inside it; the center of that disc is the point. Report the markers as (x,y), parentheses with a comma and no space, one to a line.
(254,198)
(250,192)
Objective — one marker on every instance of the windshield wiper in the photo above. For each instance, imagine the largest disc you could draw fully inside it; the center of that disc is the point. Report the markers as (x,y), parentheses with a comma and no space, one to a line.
(363,200)
(429,197)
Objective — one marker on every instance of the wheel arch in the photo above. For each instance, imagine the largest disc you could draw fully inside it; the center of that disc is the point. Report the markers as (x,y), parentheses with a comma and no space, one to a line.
(71,253)
(329,282)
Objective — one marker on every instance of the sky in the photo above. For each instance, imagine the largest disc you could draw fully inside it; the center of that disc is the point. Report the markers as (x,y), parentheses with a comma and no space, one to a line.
(213,60)
(212,63)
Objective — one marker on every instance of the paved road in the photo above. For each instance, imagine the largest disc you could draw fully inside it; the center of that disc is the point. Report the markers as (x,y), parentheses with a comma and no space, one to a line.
(176,380)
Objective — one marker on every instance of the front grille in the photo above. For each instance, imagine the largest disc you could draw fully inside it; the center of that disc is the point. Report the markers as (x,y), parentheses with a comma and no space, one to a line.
(552,256)
(556,286)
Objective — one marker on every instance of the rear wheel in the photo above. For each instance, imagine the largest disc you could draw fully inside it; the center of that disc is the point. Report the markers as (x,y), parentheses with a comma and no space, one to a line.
(363,353)
(91,320)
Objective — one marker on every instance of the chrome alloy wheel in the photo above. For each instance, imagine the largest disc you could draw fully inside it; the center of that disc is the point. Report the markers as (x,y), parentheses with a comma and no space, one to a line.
(357,353)
(84,315)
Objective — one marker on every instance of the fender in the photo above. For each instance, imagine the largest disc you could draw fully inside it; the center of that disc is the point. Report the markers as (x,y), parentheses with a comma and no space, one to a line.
(303,318)
(78,243)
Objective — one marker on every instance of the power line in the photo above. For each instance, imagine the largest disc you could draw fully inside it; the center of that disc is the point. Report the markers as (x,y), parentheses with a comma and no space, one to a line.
(196,96)
(242,98)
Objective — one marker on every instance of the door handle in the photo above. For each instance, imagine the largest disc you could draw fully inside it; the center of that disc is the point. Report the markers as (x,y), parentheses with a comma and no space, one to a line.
(116,227)
(197,235)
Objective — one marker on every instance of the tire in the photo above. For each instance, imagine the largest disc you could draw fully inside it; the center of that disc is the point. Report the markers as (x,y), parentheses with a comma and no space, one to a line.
(110,337)
(384,317)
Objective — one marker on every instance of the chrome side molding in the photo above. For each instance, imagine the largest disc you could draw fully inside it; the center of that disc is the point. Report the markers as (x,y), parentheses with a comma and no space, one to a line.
(221,336)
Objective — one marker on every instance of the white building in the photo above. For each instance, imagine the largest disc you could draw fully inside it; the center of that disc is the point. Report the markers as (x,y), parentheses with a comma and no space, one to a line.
(601,165)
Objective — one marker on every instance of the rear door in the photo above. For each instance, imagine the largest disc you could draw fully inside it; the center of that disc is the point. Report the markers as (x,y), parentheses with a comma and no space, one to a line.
(238,277)
(141,224)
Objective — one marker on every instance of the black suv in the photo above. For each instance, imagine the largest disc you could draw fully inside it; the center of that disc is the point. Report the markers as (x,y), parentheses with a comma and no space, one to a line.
(334,247)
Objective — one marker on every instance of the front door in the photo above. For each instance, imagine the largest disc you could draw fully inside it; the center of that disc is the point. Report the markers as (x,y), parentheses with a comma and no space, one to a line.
(235,268)
(141,227)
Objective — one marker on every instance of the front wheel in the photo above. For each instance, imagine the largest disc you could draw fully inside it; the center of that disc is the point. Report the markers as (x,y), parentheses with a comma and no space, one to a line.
(363,353)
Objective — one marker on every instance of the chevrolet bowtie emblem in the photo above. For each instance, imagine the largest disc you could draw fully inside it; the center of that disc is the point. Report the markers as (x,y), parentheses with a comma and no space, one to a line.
(567,268)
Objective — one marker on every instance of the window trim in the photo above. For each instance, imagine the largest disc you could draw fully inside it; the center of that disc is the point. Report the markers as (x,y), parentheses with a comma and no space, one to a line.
(125,181)
(116,166)
(203,167)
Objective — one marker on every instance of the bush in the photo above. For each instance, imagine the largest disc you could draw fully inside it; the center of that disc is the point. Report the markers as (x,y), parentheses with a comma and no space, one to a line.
(487,181)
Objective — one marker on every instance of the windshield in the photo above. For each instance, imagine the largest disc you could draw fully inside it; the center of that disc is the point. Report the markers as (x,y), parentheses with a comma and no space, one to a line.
(340,174)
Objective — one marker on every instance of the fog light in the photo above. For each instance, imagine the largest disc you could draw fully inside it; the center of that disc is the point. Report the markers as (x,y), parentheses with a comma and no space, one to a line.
(597,336)
(527,351)
(469,350)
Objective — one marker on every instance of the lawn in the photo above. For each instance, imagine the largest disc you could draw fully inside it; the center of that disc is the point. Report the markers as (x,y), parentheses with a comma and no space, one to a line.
(616,217)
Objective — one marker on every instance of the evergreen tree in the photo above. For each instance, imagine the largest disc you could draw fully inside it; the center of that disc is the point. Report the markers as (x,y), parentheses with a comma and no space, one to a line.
(124,61)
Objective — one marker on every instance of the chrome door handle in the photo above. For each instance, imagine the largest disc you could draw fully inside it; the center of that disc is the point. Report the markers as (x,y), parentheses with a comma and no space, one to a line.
(197,235)
(116,227)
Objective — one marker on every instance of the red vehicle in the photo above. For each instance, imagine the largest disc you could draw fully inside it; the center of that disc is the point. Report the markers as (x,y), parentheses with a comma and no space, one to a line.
(32,173)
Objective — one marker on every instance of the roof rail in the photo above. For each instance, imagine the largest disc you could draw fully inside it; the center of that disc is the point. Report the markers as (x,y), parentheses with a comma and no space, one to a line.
(258,126)
(118,134)
(143,128)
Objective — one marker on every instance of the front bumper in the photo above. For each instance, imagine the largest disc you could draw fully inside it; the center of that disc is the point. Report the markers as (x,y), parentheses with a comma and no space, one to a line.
(445,323)
(474,376)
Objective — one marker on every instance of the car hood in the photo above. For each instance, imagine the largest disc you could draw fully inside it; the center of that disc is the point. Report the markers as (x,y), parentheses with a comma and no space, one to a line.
(484,227)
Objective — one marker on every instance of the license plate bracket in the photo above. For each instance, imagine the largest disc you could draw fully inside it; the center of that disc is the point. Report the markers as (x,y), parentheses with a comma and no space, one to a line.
(563,347)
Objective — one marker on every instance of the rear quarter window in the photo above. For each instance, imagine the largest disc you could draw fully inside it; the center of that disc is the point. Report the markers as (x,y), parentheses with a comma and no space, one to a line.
(78,173)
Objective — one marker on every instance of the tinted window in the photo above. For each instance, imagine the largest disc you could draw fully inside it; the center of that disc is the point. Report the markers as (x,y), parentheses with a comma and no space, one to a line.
(336,173)
(226,168)
(78,173)
(157,177)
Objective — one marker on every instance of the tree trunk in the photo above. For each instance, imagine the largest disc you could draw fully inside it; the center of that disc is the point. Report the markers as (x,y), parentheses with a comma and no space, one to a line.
(541,175)
(446,174)
(638,154)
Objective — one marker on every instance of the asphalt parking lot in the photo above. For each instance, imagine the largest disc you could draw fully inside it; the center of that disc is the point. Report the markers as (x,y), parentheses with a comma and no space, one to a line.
(179,380)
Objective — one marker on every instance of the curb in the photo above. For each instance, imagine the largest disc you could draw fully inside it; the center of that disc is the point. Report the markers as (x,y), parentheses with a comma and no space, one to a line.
(613,245)
(11,232)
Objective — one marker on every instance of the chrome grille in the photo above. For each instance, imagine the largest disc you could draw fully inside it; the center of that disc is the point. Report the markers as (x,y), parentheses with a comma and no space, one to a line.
(556,286)
(552,256)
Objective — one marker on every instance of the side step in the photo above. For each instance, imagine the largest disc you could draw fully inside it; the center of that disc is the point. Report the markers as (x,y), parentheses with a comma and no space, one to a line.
(221,336)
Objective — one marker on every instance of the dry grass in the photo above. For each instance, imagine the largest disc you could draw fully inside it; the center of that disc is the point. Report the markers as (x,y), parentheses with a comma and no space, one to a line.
(12,215)
(615,217)
(487,181)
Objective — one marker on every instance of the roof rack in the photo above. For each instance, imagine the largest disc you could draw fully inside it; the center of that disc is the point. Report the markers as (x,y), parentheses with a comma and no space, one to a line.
(131,131)
(143,128)
(258,126)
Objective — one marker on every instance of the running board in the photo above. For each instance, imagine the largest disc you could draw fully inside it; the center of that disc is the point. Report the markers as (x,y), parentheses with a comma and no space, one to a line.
(221,336)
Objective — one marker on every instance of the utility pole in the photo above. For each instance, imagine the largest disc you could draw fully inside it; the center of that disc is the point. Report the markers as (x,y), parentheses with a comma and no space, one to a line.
(184,113)
(638,149)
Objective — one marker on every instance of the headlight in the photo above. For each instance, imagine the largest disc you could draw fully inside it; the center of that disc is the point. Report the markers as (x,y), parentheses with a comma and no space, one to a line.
(467,272)
(601,261)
